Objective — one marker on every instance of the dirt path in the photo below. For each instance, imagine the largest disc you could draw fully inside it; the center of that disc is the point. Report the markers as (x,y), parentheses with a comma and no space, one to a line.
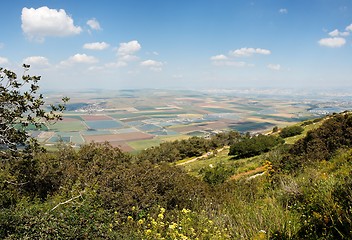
(260,169)
(200,157)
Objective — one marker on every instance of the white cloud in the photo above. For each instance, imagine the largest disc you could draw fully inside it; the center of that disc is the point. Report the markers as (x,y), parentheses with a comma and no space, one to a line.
(36,61)
(283,11)
(219,57)
(334,33)
(349,27)
(128,58)
(247,52)
(42,22)
(232,64)
(3,60)
(79,58)
(128,48)
(93,24)
(344,34)
(333,42)
(117,64)
(152,65)
(96,46)
(337,33)
(275,67)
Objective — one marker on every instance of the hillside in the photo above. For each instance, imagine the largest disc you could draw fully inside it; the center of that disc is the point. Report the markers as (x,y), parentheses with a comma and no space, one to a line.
(299,187)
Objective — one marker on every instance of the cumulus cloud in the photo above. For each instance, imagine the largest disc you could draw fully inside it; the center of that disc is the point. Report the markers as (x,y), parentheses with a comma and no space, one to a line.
(126,52)
(3,60)
(247,52)
(275,67)
(42,22)
(152,65)
(93,24)
(128,48)
(36,61)
(79,58)
(219,57)
(128,58)
(333,42)
(349,27)
(96,46)
(337,33)
(283,11)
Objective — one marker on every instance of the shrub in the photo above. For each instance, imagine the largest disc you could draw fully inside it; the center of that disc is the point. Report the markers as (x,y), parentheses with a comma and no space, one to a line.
(291,131)
(250,147)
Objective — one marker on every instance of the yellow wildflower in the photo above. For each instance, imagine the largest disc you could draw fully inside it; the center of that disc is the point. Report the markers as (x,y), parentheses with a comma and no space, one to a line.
(173,225)
(185,211)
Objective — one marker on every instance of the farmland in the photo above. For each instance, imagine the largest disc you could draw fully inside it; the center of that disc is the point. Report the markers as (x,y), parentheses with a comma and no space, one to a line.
(136,119)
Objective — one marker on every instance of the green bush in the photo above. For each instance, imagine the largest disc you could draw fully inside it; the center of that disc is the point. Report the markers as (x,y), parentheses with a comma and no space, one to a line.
(216,175)
(253,146)
(291,131)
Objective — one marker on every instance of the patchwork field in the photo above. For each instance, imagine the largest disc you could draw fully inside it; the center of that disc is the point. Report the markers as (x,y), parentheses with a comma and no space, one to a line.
(145,118)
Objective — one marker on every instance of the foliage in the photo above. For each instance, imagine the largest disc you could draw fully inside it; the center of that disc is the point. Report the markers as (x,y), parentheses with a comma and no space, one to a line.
(253,146)
(99,192)
(192,147)
(275,129)
(291,131)
(165,224)
(21,106)
(322,143)
(216,174)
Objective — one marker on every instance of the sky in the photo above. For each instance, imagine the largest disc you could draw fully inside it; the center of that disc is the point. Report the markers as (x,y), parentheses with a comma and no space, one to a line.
(180,44)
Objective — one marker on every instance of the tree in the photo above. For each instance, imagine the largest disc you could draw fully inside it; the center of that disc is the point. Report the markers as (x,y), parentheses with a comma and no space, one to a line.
(22,107)
(275,129)
(256,145)
(291,131)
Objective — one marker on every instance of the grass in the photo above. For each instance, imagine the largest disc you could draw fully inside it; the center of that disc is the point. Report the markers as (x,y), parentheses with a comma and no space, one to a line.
(172,137)
(239,166)
(292,140)
(143,144)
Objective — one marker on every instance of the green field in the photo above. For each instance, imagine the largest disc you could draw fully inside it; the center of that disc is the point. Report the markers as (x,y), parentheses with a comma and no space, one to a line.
(68,126)
(191,113)
(143,144)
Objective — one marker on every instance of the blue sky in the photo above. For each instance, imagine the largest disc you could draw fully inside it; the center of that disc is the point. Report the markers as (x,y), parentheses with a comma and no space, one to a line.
(187,44)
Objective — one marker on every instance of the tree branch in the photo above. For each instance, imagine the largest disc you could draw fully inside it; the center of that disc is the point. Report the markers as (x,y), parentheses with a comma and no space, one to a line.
(67,201)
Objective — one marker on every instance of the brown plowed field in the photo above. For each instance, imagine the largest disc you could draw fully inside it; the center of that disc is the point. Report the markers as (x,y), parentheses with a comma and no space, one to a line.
(95,117)
(122,145)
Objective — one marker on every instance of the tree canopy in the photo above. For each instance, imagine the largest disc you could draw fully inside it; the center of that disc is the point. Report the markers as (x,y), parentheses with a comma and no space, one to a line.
(22,106)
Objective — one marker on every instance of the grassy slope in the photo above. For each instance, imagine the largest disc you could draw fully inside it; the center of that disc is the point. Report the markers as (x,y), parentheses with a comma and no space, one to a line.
(239,166)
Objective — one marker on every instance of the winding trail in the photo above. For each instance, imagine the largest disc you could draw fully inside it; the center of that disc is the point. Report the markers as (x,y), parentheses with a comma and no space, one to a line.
(200,157)
(258,170)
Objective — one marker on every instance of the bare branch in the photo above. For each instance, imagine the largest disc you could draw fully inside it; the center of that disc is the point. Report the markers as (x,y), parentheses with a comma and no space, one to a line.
(67,201)
(16,184)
